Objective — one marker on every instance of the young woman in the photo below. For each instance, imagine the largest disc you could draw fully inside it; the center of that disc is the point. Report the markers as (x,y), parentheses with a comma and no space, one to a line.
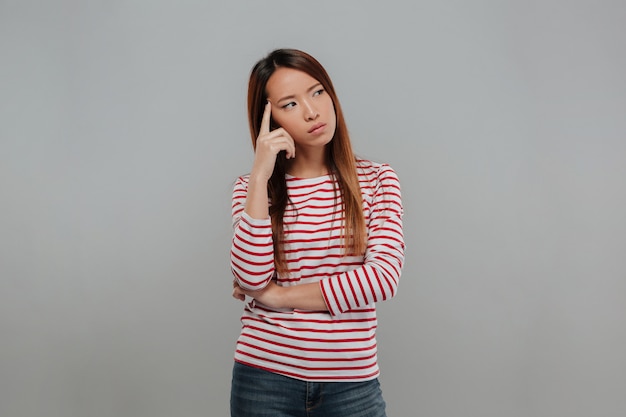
(317,242)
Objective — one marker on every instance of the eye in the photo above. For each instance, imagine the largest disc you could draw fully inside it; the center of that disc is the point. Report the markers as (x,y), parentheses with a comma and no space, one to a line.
(289,105)
(318,92)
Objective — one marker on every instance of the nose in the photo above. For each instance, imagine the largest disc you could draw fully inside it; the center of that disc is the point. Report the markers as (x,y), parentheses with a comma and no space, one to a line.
(310,111)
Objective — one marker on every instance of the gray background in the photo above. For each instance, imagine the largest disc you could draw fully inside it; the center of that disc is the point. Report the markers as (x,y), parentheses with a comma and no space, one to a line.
(123,127)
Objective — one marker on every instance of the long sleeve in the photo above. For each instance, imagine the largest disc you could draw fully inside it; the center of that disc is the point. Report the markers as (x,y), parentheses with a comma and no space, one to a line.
(316,345)
(377,279)
(252,252)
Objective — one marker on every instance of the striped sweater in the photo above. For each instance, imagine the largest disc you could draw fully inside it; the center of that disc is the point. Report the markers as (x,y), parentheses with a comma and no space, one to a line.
(338,344)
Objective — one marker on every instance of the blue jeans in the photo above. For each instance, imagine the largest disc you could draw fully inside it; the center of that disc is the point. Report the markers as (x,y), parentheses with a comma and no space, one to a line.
(258,393)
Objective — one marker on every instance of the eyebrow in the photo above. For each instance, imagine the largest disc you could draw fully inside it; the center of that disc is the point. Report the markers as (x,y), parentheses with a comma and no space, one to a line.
(293,96)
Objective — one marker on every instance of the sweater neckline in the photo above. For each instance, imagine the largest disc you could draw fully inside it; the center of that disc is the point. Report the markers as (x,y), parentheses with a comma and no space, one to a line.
(310,179)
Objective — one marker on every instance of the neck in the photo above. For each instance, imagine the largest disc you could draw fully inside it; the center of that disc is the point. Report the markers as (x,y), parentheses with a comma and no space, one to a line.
(308,164)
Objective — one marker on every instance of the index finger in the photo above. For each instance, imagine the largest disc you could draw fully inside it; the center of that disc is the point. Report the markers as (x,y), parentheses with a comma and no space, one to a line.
(265,122)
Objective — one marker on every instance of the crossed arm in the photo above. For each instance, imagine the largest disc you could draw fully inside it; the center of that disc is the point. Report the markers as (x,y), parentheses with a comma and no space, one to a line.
(375,280)
(303,296)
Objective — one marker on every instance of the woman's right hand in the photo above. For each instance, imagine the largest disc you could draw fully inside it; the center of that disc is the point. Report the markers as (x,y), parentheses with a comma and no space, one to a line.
(268,145)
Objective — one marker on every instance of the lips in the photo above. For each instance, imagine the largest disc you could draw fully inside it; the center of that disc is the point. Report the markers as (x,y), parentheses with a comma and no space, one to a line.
(317,128)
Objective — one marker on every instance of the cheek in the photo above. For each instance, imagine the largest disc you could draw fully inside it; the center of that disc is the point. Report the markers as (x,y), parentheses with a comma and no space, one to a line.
(330,109)
(281,121)
(288,123)
(332,113)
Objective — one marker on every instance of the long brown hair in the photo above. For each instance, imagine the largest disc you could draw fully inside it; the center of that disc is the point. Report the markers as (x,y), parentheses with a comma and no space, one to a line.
(340,160)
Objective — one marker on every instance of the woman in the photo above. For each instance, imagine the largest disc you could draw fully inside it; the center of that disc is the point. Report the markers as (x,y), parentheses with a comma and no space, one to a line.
(317,242)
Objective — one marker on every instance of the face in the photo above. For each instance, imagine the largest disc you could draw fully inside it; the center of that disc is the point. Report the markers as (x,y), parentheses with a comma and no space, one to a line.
(302,107)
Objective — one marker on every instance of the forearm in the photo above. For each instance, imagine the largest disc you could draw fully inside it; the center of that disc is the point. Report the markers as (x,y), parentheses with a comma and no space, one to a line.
(304,297)
(257,199)
(301,297)
(376,280)
(252,253)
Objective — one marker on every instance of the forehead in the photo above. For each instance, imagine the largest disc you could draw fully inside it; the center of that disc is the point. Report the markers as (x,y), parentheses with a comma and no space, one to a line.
(289,81)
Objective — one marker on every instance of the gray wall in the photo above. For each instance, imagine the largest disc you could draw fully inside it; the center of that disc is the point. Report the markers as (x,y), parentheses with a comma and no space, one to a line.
(123,127)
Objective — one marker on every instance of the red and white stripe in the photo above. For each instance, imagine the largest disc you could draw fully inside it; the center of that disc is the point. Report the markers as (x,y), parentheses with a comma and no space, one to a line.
(340,344)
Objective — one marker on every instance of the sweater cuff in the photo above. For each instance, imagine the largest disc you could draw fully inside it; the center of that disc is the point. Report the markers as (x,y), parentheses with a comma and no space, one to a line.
(330,298)
(256,222)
